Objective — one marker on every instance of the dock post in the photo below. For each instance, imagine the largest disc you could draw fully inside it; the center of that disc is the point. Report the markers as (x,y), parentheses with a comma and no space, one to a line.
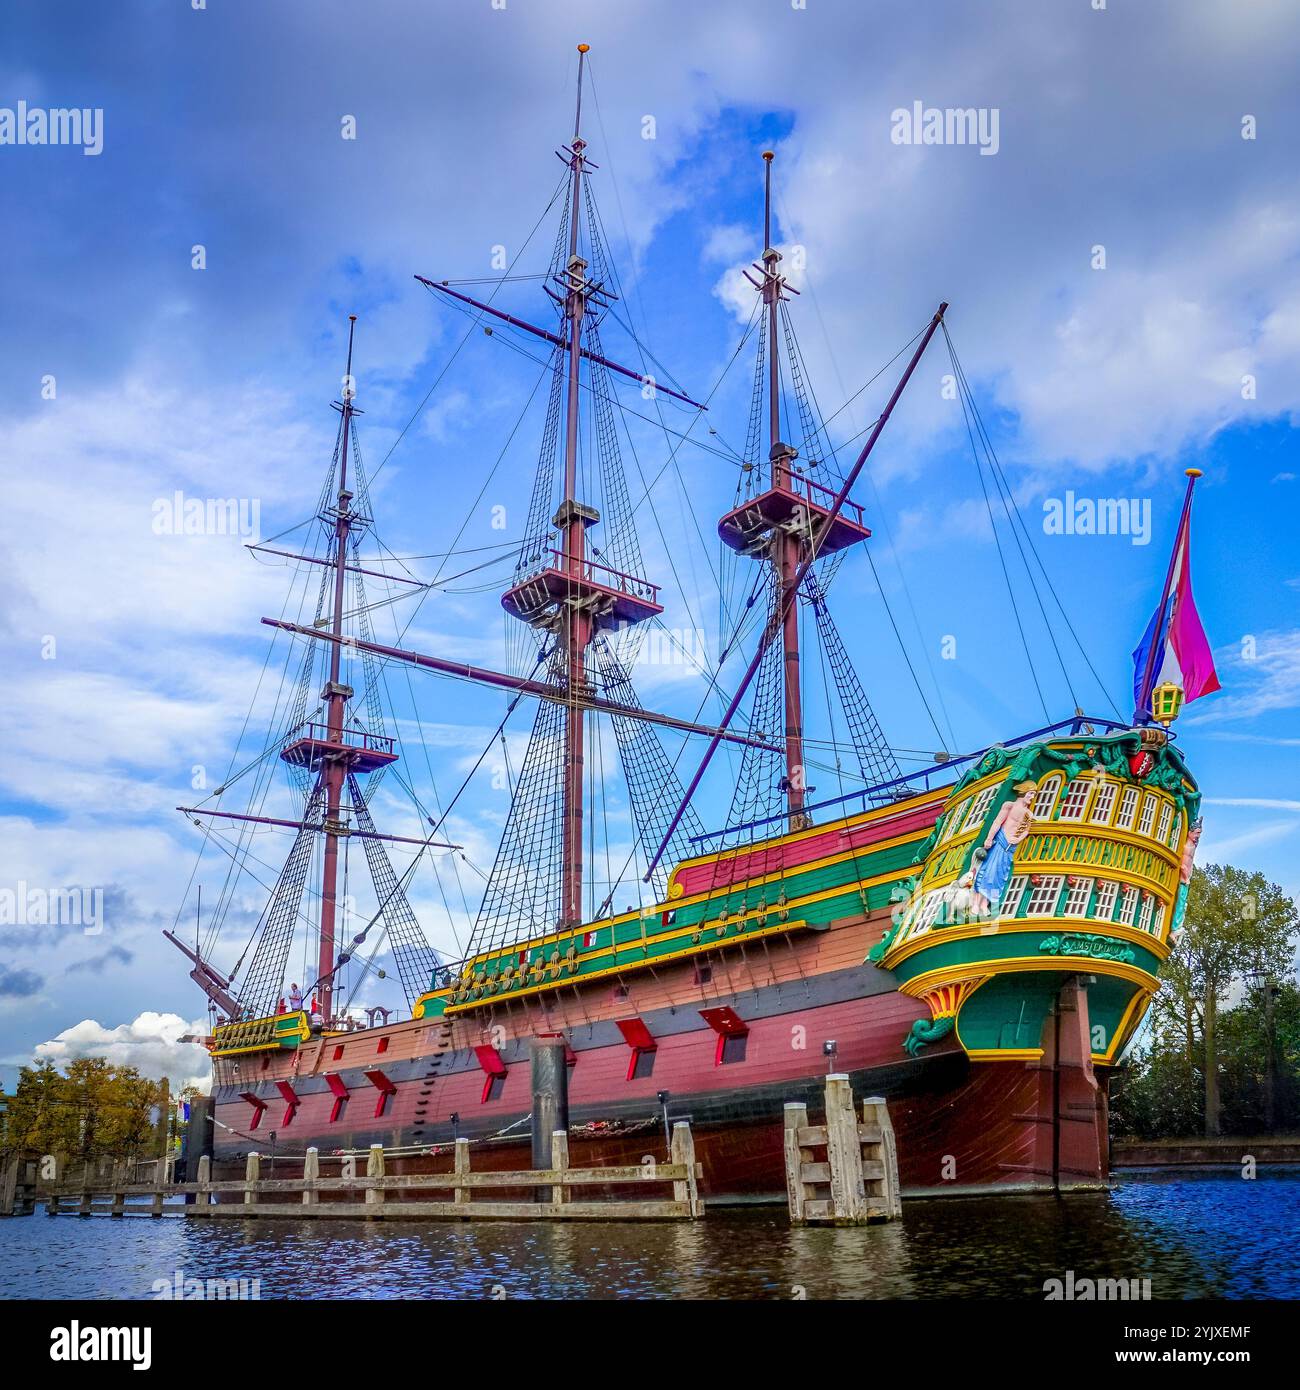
(797,1191)
(159,1187)
(550,1077)
(844,1152)
(9,1185)
(375,1169)
(310,1175)
(119,1182)
(682,1151)
(460,1166)
(560,1160)
(875,1115)
(252,1173)
(203,1197)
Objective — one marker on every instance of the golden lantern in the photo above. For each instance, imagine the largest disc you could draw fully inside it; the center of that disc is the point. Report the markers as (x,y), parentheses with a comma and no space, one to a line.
(1166,702)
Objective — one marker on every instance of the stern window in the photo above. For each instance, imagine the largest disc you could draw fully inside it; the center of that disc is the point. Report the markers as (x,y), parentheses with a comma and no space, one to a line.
(979,807)
(1076,902)
(1128,905)
(1076,800)
(1042,901)
(1106,894)
(1046,798)
(1101,808)
(1015,891)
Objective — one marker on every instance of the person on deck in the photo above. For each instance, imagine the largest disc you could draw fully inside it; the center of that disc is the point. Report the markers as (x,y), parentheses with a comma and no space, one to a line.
(295,999)
(1010,826)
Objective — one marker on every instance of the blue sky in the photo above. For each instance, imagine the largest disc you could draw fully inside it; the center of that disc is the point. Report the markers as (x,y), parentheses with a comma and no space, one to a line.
(1119,128)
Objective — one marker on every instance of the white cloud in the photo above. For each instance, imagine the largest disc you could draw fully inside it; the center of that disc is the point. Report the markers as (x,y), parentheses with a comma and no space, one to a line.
(1260,802)
(151,1043)
(1268,681)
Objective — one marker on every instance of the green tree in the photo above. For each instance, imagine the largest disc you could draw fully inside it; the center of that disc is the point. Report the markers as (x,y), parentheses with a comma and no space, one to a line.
(1237,924)
(93,1109)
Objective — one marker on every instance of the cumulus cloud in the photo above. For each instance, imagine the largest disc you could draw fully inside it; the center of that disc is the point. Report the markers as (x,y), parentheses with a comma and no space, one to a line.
(151,1043)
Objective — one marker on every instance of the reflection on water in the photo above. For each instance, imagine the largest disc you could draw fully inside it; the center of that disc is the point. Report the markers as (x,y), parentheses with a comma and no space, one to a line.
(1208,1236)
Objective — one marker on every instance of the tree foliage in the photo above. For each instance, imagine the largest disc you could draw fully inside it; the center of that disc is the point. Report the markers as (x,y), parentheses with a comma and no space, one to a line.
(93,1109)
(1203,1065)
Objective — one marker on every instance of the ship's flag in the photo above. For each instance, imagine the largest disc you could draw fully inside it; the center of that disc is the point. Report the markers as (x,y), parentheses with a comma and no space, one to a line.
(1174,646)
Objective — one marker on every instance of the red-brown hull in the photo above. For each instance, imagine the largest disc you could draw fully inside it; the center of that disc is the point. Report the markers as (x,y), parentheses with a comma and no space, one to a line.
(962,1126)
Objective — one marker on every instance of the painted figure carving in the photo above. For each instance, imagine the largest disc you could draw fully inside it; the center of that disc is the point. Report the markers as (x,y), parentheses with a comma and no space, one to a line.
(1185,875)
(1010,826)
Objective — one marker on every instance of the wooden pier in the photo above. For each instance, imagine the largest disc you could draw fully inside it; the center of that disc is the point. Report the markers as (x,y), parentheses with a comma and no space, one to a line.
(843,1172)
(379,1196)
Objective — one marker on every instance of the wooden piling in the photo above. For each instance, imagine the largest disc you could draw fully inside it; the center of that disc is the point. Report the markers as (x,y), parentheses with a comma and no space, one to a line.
(202,1197)
(252,1174)
(843,1153)
(460,1167)
(560,1161)
(9,1185)
(858,1180)
(882,1191)
(682,1154)
(375,1169)
(160,1187)
(121,1177)
(797,1191)
(310,1177)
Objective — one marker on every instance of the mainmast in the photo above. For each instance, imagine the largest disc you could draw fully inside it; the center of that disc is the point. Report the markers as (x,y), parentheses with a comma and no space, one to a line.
(573,519)
(336,696)
(788,546)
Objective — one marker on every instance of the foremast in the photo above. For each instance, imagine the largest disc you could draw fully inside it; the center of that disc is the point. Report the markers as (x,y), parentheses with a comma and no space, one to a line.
(329,751)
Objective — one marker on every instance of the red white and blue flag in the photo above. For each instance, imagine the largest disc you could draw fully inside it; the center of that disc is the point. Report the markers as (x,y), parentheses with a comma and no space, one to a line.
(1174,646)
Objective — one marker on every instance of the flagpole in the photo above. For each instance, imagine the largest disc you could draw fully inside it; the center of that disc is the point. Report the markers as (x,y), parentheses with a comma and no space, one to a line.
(1144,705)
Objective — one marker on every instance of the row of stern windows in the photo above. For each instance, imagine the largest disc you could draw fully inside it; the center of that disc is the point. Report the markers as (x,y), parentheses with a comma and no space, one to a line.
(1066,895)
(1095,801)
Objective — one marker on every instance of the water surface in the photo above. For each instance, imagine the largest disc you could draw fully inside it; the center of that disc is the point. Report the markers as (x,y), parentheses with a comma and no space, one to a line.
(1194,1236)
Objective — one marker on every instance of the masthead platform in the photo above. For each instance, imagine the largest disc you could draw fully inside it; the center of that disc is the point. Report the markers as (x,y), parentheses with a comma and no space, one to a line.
(359,752)
(613,598)
(802,508)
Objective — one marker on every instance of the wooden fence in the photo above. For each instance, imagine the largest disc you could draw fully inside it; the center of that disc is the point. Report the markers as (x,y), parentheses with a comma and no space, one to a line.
(381,1196)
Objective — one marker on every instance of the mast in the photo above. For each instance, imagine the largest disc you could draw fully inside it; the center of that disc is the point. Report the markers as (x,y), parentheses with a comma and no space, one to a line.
(788,546)
(336,696)
(573,520)
(747,528)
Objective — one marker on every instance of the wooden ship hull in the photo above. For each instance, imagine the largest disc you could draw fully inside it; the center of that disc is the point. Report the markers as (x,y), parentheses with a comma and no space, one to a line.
(992,1039)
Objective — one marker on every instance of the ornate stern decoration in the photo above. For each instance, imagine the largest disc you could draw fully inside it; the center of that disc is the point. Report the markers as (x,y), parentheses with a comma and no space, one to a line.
(944,1002)
(1058,860)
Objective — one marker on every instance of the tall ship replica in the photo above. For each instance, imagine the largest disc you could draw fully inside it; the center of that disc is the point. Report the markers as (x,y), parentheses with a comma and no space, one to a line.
(976,941)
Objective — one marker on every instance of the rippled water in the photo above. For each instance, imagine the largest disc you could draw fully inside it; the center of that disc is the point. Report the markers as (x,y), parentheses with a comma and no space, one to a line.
(1209,1236)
